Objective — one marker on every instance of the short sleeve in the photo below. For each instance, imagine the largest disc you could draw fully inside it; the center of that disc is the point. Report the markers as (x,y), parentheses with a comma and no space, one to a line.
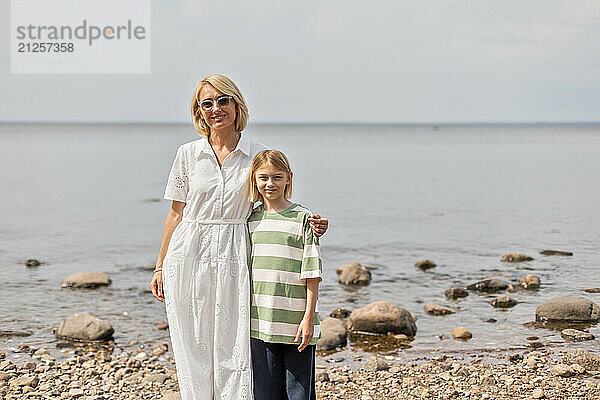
(177,184)
(312,265)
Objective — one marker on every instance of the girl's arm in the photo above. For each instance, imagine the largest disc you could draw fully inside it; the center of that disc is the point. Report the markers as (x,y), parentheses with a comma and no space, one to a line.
(306,329)
(318,224)
(173,219)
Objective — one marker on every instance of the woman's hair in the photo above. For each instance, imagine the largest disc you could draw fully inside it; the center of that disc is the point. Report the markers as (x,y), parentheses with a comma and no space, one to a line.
(226,86)
(276,159)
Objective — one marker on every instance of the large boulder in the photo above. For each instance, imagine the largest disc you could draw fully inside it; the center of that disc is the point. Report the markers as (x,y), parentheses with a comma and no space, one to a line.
(588,360)
(333,334)
(84,326)
(86,280)
(381,317)
(354,274)
(568,309)
(489,285)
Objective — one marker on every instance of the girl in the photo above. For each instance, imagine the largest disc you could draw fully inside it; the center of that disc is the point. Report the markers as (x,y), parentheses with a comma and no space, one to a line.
(286,271)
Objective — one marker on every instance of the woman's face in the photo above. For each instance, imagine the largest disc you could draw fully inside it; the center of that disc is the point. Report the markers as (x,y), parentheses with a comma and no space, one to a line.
(217,117)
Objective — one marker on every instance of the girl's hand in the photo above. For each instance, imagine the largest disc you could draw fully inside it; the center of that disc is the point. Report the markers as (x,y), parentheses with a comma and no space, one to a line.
(157,285)
(319,225)
(305,332)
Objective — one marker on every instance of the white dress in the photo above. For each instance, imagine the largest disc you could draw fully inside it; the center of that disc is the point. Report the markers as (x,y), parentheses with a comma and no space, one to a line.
(206,276)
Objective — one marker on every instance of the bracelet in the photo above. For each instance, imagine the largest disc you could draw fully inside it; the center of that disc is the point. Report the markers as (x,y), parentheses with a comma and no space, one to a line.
(156,270)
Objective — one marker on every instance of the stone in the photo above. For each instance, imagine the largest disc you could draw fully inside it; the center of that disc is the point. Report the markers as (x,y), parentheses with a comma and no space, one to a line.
(456,292)
(354,274)
(588,360)
(568,309)
(141,356)
(5,334)
(382,317)
(562,370)
(376,364)
(512,257)
(86,280)
(84,326)
(333,334)
(461,333)
(537,393)
(162,326)
(592,290)
(504,302)
(574,335)
(32,262)
(5,376)
(322,376)
(340,313)
(578,368)
(530,281)
(157,378)
(556,253)
(425,264)
(489,285)
(75,392)
(24,380)
(434,309)
(41,352)
(171,395)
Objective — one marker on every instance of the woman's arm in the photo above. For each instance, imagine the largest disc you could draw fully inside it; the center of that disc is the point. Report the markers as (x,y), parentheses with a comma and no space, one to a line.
(306,329)
(318,224)
(173,219)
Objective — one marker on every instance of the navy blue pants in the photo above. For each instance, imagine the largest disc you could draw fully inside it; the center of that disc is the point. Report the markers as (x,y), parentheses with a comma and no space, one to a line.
(281,372)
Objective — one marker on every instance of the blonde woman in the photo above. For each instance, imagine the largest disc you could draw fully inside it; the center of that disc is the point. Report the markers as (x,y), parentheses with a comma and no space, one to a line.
(202,270)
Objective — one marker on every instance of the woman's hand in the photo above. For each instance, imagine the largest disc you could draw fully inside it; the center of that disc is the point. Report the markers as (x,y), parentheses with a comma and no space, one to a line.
(319,225)
(157,285)
(306,331)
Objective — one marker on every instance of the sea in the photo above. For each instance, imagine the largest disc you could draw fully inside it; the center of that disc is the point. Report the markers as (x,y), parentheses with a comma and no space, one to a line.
(88,197)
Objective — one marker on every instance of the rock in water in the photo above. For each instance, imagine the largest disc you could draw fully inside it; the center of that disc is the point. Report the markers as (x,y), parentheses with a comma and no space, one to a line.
(504,302)
(425,264)
(489,285)
(354,274)
(530,282)
(574,335)
(339,313)
(455,293)
(86,280)
(382,317)
(333,334)
(84,326)
(376,364)
(588,360)
(32,262)
(434,309)
(592,290)
(511,257)
(556,253)
(568,309)
(461,333)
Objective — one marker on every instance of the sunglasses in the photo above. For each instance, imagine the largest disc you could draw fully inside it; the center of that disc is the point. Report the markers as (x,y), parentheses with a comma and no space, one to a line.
(208,104)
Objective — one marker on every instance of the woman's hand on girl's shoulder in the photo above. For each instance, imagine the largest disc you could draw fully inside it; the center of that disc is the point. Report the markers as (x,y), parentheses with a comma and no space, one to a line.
(318,224)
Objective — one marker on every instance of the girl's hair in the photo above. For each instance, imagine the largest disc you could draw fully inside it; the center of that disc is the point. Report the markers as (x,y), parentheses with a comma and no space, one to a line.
(276,159)
(226,86)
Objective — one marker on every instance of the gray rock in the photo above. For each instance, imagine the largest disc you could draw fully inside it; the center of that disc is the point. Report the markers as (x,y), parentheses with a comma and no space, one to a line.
(84,326)
(322,376)
(456,292)
(333,334)
(425,264)
(568,309)
(86,280)
(354,274)
(574,335)
(434,309)
(489,285)
(530,281)
(382,317)
(24,380)
(461,333)
(376,364)
(556,253)
(512,257)
(158,378)
(588,360)
(562,370)
(504,302)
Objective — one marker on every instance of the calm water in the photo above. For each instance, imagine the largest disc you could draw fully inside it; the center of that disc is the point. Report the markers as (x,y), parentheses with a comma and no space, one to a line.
(85,197)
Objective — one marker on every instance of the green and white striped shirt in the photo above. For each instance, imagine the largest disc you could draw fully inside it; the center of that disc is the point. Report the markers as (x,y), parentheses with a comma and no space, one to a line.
(285,252)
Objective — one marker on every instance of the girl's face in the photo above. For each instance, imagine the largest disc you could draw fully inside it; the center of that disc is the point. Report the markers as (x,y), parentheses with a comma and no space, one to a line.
(271,181)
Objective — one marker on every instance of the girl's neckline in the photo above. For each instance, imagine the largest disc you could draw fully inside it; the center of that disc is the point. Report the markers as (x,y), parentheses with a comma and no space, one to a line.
(279,212)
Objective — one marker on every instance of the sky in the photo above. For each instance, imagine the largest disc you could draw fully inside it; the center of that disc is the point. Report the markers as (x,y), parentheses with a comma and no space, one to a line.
(341,61)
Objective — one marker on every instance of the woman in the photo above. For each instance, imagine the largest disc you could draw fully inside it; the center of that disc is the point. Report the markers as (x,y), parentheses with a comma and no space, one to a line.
(203,260)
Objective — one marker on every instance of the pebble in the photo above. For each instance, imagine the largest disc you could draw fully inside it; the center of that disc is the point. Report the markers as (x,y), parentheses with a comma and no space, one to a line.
(461,333)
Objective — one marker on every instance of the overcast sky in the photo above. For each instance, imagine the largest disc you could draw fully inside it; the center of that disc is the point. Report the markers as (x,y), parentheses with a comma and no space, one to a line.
(342,61)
